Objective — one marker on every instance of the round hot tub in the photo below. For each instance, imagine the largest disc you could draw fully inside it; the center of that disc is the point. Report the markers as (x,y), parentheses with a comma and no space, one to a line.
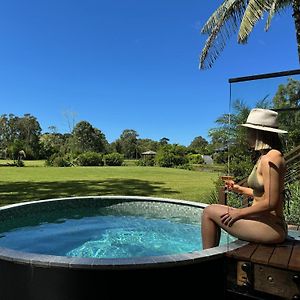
(71,248)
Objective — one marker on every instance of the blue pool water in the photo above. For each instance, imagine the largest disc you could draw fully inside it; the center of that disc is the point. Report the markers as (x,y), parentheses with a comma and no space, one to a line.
(106,237)
(103,229)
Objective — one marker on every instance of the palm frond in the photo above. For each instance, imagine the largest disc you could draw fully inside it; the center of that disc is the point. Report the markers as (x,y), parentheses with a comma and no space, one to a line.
(253,13)
(271,14)
(276,7)
(222,24)
(217,15)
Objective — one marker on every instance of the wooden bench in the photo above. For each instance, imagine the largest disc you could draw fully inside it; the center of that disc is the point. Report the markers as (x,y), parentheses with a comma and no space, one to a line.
(257,271)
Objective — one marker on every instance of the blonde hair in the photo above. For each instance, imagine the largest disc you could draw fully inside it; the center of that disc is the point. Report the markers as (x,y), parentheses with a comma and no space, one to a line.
(266,140)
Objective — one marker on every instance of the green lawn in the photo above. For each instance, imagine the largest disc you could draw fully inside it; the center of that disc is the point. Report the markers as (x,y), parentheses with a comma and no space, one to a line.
(34,182)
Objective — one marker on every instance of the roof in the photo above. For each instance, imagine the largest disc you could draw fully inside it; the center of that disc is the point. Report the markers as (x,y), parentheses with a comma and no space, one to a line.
(149,152)
(207,159)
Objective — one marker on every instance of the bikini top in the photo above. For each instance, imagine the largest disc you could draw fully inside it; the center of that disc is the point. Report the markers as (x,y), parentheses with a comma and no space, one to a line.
(258,188)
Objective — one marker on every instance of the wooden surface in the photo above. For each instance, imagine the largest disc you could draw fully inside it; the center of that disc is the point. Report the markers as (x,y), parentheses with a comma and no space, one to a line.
(284,256)
(257,271)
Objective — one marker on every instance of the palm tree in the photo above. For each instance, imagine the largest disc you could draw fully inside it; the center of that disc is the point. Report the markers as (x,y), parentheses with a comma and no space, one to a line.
(241,15)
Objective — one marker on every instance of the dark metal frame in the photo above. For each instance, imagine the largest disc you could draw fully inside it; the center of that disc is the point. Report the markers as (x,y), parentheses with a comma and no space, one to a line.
(267,76)
(264,76)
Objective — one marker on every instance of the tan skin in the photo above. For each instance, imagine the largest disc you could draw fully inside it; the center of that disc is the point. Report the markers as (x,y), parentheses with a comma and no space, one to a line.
(261,221)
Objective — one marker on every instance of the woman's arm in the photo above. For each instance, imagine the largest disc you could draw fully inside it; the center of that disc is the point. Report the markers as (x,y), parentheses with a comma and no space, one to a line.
(238,188)
(243,190)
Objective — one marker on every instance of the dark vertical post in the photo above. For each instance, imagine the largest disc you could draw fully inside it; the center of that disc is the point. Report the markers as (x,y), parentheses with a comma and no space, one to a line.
(222,195)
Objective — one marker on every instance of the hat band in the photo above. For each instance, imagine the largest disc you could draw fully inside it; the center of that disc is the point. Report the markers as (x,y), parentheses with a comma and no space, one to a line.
(275,127)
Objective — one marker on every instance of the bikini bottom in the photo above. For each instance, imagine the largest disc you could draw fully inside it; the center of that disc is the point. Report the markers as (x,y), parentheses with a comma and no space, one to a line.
(271,219)
(282,224)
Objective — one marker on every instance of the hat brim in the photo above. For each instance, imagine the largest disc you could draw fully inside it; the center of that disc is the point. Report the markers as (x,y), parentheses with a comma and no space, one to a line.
(264,128)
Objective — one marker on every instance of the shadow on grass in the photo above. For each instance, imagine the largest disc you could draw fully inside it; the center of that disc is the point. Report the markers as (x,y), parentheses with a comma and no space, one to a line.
(13,192)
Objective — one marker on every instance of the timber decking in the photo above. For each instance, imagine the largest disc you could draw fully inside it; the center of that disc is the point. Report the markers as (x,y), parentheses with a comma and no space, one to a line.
(257,271)
(284,256)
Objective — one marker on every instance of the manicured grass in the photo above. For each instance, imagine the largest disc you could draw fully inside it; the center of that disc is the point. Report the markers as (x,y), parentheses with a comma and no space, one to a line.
(34,183)
(27,163)
(130,162)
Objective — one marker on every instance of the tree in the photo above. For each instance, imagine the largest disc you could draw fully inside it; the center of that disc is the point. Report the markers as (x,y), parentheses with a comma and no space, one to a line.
(4,135)
(70,117)
(241,15)
(147,144)
(128,143)
(29,131)
(115,147)
(171,156)
(199,144)
(288,96)
(53,129)
(26,130)
(87,138)
(52,143)
(164,141)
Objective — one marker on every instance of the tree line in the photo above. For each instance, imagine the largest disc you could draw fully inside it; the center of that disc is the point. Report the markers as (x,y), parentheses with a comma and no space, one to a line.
(25,134)
(22,136)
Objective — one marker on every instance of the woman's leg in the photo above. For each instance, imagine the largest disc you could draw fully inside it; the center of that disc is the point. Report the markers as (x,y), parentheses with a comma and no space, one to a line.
(210,230)
(261,229)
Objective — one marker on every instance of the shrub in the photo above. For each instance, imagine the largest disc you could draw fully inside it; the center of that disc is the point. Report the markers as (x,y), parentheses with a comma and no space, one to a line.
(19,163)
(292,204)
(146,161)
(60,162)
(170,156)
(57,160)
(90,159)
(195,158)
(114,159)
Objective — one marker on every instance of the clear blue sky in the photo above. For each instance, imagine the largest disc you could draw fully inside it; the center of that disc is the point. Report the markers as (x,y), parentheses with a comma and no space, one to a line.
(127,64)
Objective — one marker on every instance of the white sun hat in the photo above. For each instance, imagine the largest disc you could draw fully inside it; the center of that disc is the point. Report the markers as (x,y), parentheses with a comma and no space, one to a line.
(263,119)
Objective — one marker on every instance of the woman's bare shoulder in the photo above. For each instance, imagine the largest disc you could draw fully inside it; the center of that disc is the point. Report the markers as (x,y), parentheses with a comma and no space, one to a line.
(273,156)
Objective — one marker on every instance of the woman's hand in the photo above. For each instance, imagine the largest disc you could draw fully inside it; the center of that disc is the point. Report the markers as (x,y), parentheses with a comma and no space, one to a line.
(231,186)
(231,216)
